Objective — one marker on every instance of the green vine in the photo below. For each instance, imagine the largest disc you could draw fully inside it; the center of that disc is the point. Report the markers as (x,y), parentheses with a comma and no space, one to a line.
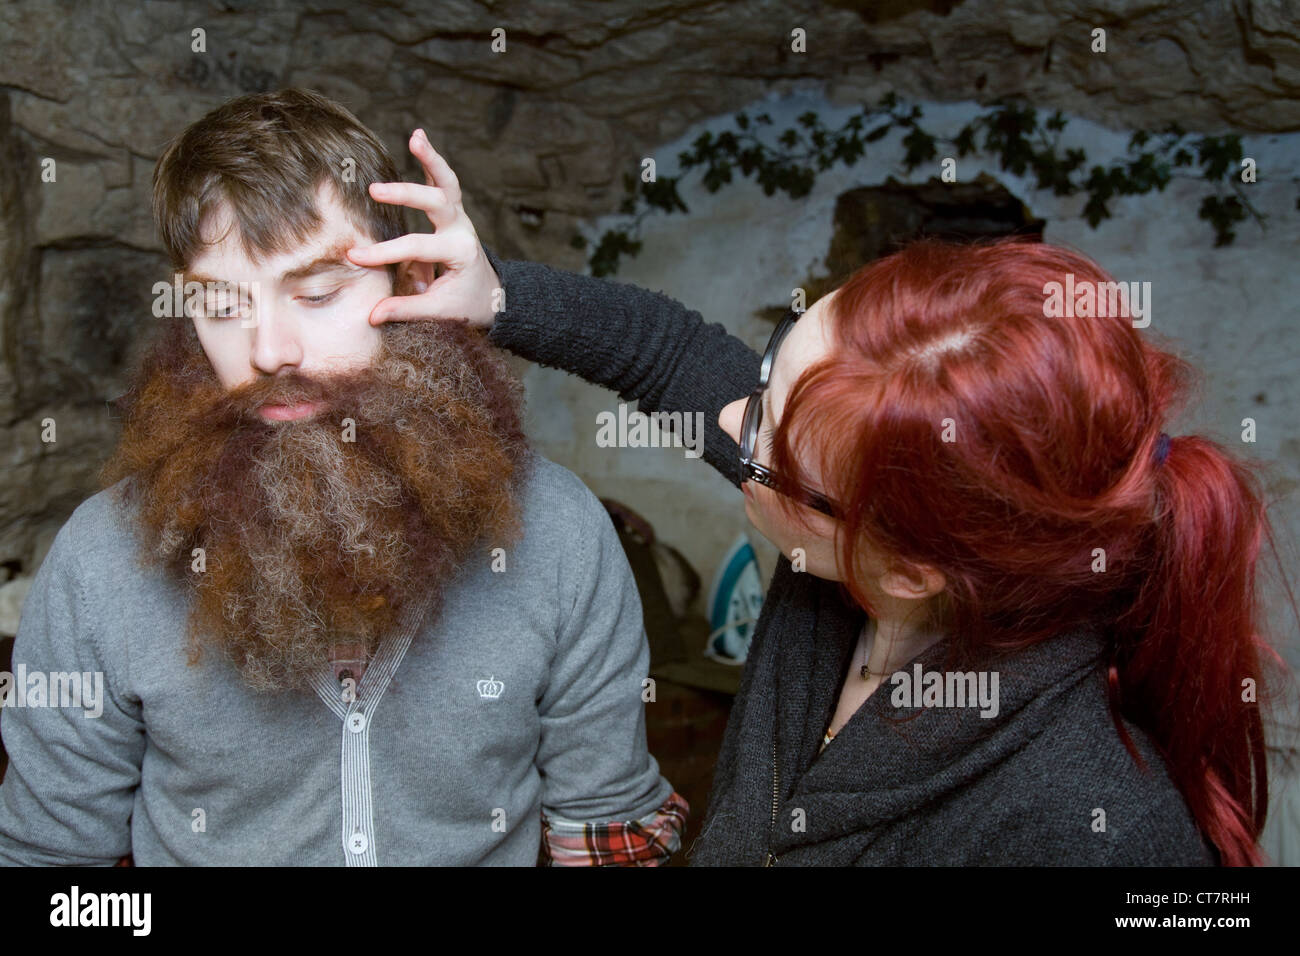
(1010,131)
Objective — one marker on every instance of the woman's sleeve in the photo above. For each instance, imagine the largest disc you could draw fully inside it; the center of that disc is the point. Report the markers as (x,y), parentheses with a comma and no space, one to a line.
(647,347)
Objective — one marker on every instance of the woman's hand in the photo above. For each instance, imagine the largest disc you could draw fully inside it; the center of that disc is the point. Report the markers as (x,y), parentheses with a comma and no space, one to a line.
(468,289)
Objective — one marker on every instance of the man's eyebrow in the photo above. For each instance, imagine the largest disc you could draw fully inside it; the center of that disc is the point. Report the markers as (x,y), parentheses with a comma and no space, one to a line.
(333,258)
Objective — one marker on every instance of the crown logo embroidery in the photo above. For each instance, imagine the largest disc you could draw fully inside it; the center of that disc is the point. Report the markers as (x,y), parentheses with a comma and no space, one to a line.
(490,689)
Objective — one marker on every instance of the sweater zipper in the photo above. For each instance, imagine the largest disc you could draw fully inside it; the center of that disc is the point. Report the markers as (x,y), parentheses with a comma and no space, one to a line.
(771,857)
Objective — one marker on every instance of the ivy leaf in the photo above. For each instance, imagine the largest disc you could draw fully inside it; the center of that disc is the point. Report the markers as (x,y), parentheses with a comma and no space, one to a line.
(849,150)
(965,140)
(749,160)
(801,183)
(920,148)
(1053,173)
(1099,190)
(1094,210)
(717,175)
(613,245)
(662,194)
(1218,154)
(1144,174)
(1222,213)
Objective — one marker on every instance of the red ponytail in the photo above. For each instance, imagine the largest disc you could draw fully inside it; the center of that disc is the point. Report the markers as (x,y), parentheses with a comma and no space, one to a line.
(1190,659)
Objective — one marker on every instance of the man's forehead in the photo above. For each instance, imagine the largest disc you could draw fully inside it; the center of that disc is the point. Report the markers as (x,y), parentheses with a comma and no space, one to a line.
(225,259)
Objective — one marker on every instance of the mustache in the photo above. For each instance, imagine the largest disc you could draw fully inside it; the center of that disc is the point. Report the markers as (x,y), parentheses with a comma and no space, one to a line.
(242,403)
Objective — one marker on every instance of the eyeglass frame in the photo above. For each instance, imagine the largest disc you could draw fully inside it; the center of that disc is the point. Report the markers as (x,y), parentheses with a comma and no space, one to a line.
(753,419)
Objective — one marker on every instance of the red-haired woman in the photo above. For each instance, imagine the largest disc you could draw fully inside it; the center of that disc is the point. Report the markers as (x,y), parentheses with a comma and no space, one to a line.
(981,504)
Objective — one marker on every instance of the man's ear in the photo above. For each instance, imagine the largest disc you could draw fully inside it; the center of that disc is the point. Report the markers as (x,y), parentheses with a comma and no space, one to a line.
(410,276)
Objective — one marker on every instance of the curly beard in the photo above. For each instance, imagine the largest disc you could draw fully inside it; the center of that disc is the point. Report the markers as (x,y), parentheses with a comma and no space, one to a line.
(320,531)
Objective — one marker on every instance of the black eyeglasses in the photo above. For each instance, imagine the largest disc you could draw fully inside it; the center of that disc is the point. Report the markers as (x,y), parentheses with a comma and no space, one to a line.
(752,471)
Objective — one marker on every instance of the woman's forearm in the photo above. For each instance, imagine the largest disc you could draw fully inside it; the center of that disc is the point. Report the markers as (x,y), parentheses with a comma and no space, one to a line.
(644,345)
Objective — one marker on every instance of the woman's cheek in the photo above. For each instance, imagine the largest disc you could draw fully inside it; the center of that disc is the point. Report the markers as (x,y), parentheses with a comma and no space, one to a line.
(803,545)
(766,515)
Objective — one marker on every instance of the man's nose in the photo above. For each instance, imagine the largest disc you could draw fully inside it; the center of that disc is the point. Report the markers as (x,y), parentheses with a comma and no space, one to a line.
(275,344)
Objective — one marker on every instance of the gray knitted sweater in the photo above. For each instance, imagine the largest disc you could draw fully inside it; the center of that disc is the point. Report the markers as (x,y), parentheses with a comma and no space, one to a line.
(1046,781)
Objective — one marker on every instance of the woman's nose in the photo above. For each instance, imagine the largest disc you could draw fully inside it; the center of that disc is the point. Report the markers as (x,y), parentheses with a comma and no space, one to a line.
(730,417)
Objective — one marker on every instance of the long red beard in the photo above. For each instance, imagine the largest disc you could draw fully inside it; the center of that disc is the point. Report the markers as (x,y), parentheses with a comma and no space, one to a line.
(310,539)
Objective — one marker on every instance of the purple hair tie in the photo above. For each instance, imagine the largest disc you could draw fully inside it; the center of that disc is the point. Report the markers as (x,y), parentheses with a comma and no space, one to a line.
(1162,448)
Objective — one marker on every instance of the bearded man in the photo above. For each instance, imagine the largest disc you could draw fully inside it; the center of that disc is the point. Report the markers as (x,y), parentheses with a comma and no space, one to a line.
(343,614)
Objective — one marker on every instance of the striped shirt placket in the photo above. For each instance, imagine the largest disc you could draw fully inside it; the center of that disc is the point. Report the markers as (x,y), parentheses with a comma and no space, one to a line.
(357,798)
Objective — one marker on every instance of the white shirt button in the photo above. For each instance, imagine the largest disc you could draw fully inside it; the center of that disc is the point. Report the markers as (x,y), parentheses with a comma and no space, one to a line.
(356,722)
(358,843)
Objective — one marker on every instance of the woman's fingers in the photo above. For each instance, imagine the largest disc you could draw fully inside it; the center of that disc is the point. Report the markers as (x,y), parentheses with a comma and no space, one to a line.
(448,297)
(436,302)
(436,171)
(412,247)
(401,308)
(431,200)
(467,289)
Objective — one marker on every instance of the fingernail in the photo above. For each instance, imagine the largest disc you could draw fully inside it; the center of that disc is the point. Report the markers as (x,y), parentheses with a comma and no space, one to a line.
(420,285)
(423,135)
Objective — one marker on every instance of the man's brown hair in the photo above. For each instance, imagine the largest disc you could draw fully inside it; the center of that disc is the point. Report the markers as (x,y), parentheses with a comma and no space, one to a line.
(266,154)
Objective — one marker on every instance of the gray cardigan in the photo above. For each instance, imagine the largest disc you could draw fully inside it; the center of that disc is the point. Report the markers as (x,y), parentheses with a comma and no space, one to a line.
(1046,781)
